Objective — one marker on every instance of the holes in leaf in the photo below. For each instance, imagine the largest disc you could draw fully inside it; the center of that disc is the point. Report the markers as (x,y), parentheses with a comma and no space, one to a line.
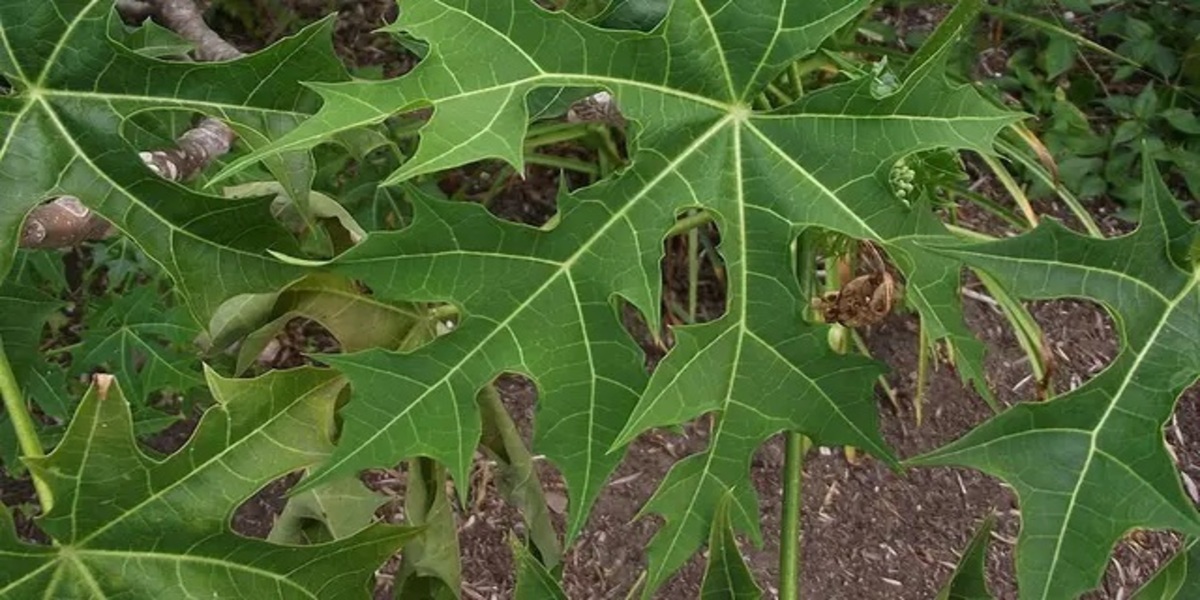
(1081,341)
(252,26)
(257,515)
(1183,437)
(693,284)
(19,494)
(693,272)
(578,140)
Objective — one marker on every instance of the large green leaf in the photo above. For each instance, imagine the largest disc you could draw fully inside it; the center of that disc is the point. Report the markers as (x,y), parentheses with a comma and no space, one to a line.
(77,94)
(1092,464)
(539,302)
(132,527)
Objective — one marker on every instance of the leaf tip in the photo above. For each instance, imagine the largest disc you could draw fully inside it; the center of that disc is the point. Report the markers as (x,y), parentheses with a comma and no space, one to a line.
(102,382)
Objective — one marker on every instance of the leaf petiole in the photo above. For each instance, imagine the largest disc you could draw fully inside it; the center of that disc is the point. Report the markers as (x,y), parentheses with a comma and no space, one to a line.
(22,420)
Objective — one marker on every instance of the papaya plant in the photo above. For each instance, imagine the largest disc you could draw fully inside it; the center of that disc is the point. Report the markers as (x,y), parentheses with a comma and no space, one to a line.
(427,315)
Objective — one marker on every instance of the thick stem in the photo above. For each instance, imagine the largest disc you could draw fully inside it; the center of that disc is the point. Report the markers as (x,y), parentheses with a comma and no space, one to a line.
(65,221)
(562,162)
(22,421)
(793,460)
(693,265)
(197,148)
(182,17)
(789,541)
(61,223)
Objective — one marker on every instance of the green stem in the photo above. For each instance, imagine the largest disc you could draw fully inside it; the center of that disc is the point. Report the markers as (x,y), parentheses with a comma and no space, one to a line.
(793,460)
(555,133)
(781,98)
(789,544)
(1028,332)
(967,234)
(22,421)
(562,162)
(1052,181)
(690,222)
(797,78)
(693,246)
(1014,189)
(923,352)
(990,206)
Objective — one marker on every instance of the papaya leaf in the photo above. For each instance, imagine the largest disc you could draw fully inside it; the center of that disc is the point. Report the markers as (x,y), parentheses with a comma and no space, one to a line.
(129,526)
(534,581)
(727,576)
(1179,579)
(1092,464)
(431,566)
(969,580)
(540,302)
(517,475)
(357,320)
(333,511)
(77,92)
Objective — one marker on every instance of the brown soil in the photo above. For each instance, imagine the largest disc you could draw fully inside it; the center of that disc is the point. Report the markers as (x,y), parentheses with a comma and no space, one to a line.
(868,533)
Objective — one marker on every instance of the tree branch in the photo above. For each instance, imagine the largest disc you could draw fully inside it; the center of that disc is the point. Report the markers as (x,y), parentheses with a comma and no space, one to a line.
(61,223)
(194,151)
(182,17)
(65,221)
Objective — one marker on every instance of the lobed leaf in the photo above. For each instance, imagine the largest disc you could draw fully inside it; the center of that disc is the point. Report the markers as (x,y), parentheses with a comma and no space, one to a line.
(1092,464)
(125,525)
(540,302)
